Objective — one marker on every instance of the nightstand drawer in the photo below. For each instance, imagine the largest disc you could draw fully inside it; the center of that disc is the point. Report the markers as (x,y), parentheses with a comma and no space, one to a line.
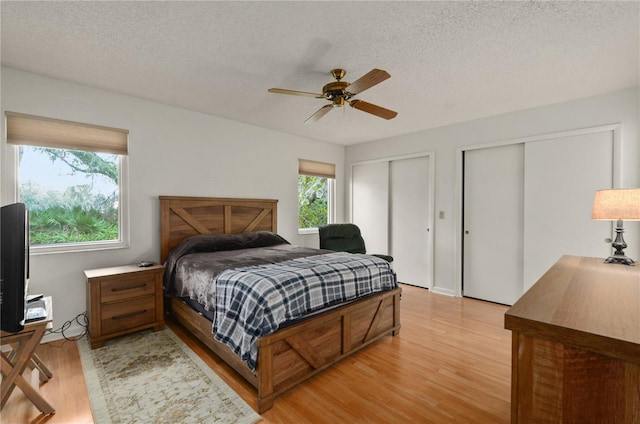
(134,285)
(128,314)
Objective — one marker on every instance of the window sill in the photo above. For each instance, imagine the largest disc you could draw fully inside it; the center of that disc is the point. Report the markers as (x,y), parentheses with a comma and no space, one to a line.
(303,231)
(76,247)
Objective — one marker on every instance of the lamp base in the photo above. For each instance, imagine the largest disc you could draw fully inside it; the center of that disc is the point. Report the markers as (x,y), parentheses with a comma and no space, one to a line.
(619,244)
(617,259)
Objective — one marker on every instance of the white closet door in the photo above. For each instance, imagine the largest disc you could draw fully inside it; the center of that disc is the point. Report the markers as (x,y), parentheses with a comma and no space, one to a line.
(561,177)
(370,204)
(410,209)
(493,214)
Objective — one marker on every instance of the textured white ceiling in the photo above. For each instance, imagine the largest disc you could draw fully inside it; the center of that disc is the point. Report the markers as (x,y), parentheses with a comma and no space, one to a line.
(449,61)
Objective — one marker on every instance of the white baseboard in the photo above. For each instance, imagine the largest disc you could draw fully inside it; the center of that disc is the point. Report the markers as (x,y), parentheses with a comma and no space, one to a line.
(446,292)
(73,331)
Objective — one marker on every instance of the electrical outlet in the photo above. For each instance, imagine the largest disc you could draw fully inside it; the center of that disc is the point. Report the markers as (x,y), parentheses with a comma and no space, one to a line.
(441,215)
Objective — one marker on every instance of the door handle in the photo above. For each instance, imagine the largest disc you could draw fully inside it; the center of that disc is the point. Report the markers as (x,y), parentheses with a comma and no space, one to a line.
(466,231)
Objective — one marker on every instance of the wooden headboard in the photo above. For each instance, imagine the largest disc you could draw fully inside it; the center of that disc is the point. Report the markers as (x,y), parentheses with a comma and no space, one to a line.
(182,217)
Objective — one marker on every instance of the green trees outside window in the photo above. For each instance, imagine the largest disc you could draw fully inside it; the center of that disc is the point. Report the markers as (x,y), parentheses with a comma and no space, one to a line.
(72,196)
(313,201)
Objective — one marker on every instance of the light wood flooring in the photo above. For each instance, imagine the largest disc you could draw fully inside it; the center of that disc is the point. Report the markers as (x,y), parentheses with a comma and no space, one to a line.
(451,362)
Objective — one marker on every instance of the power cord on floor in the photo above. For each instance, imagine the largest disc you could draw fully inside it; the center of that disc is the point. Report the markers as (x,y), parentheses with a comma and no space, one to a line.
(81,320)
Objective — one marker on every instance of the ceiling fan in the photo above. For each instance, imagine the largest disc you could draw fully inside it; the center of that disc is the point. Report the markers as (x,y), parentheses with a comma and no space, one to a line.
(340,92)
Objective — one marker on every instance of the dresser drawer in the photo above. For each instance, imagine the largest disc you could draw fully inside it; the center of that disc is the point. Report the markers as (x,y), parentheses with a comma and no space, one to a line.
(127,287)
(128,314)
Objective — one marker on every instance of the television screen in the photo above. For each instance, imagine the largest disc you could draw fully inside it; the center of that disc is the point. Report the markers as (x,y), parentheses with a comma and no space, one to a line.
(14,270)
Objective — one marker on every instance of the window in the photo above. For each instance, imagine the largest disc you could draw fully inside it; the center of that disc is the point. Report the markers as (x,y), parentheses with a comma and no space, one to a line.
(316,187)
(71,177)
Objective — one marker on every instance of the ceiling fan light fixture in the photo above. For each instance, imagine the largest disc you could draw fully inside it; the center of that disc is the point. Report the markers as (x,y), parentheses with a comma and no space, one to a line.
(338,101)
(340,92)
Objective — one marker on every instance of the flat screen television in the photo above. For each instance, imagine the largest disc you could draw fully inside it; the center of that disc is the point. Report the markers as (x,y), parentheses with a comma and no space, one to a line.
(14,270)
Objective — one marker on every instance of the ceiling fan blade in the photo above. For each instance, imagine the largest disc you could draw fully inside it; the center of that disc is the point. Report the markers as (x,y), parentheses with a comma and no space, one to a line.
(373,109)
(368,80)
(319,114)
(294,92)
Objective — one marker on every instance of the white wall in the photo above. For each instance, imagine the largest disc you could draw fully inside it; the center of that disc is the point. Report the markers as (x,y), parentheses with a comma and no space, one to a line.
(178,152)
(617,107)
(172,151)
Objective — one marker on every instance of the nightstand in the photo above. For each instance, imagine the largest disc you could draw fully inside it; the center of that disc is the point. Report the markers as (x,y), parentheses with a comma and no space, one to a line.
(122,300)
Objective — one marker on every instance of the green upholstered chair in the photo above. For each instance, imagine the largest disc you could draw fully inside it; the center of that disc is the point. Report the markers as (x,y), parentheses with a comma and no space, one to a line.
(344,238)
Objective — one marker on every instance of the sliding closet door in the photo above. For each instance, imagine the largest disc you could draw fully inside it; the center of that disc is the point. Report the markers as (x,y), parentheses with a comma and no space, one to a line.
(561,177)
(528,217)
(493,238)
(370,204)
(410,209)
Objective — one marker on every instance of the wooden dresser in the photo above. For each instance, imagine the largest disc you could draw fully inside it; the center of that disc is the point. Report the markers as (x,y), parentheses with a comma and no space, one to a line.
(576,345)
(122,300)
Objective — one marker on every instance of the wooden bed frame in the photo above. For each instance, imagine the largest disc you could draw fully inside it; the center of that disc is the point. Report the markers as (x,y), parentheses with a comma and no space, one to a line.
(294,353)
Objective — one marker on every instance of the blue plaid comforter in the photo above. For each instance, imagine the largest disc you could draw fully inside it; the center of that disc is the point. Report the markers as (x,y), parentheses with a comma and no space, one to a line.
(255,301)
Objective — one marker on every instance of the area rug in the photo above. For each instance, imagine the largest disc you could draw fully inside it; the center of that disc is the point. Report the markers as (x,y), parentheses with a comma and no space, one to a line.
(153,377)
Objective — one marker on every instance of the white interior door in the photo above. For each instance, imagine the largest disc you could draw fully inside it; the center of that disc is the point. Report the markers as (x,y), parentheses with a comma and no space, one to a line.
(493,223)
(370,200)
(410,217)
(561,177)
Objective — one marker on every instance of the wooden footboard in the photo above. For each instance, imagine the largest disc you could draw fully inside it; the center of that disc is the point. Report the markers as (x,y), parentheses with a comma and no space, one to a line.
(296,353)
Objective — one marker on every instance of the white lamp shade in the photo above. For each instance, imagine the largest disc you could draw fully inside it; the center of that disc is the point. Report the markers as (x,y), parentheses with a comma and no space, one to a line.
(618,203)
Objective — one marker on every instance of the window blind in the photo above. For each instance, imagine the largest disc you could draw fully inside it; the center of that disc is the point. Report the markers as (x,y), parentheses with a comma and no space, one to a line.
(316,169)
(55,133)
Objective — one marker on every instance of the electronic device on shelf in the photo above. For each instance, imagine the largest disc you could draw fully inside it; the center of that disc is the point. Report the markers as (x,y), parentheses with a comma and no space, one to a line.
(36,311)
(34,297)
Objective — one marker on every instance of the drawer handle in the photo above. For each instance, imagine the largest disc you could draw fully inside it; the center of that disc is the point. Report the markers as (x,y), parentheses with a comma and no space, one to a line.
(132,314)
(141,286)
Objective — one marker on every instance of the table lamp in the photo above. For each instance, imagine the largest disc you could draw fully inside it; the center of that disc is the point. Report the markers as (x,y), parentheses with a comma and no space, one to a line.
(616,205)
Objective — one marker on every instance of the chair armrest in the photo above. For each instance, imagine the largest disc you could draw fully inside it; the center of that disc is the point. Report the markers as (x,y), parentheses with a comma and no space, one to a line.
(385,257)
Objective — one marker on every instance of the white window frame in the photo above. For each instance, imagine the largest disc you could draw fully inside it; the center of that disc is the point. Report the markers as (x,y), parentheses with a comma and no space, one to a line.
(123,210)
(331,212)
